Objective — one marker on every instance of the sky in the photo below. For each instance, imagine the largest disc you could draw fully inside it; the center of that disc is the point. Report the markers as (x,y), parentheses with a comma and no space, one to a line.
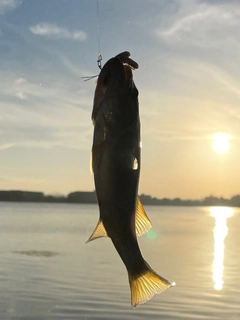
(188,79)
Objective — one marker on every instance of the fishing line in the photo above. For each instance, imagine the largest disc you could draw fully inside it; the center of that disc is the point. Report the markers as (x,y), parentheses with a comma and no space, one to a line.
(89,77)
(99,60)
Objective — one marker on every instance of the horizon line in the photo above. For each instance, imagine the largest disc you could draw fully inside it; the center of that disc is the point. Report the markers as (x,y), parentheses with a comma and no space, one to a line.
(60,195)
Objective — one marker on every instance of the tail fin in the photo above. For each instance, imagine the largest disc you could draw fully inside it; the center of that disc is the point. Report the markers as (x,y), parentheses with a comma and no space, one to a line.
(145,286)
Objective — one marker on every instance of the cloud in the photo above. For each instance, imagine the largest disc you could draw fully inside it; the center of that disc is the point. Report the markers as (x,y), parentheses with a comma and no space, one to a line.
(200,24)
(54,114)
(20,81)
(21,95)
(19,86)
(52,31)
(6,146)
(200,99)
(8,5)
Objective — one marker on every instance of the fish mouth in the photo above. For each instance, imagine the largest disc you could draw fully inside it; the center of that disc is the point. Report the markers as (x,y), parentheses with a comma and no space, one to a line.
(116,75)
(128,66)
(125,58)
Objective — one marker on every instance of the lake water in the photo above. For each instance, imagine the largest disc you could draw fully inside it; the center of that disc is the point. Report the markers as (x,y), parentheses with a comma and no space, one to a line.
(47,272)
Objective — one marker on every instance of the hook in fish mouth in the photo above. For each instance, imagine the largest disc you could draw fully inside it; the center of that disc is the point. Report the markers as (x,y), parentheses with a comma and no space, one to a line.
(125,58)
(115,74)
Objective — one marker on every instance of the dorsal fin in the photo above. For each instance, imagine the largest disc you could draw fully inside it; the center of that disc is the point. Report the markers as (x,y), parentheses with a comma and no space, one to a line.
(143,224)
(98,232)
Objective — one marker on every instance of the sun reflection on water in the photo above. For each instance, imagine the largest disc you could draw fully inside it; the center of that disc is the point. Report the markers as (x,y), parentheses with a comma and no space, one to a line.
(221,214)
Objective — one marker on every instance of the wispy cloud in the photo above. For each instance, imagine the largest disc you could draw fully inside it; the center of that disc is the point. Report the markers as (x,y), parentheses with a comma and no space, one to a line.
(6,146)
(20,81)
(54,114)
(20,95)
(202,24)
(19,87)
(8,5)
(53,31)
(194,111)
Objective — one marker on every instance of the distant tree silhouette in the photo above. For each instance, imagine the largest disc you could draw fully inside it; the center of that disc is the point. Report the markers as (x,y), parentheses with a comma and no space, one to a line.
(82,197)
(235,201)
(90,197)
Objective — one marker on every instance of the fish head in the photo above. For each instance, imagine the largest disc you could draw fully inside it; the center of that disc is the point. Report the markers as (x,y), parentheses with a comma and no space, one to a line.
(114,84)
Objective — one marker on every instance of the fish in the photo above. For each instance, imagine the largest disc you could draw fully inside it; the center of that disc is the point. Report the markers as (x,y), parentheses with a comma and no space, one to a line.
(116,163)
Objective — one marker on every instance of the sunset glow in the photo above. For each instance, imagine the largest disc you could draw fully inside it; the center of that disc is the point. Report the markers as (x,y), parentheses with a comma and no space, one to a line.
(187,81)
(220,143)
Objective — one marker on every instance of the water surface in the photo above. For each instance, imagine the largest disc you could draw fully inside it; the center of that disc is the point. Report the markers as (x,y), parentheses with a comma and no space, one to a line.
(47,272)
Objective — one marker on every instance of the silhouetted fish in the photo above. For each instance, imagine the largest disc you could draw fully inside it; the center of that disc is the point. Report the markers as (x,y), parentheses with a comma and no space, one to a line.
(116,167)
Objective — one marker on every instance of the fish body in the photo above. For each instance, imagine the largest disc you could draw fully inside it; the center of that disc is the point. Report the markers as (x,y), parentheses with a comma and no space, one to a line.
(116,163)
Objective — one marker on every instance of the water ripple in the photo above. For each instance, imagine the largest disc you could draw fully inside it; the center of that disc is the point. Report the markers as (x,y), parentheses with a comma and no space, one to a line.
(70,280)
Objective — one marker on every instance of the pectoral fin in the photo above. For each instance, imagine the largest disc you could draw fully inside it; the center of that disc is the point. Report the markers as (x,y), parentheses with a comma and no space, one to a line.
(90,164)
(143,224)
(99,232)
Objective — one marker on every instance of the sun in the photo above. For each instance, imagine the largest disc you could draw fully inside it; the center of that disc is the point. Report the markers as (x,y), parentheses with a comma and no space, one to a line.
(220,142)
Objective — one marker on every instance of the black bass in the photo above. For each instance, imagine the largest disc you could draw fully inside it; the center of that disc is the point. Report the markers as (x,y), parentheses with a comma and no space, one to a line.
(116,166)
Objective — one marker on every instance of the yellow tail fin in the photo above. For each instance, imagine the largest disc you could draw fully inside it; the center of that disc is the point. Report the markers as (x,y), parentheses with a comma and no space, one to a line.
(144,287)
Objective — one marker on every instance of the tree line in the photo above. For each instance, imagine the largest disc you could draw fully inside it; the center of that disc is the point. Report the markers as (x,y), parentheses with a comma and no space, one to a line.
(90,197)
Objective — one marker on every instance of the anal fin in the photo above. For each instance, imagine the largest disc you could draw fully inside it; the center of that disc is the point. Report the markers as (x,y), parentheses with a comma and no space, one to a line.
(98,232)
(143,224)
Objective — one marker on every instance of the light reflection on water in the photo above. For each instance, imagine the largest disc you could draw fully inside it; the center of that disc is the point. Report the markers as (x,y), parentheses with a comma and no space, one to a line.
(220,231)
